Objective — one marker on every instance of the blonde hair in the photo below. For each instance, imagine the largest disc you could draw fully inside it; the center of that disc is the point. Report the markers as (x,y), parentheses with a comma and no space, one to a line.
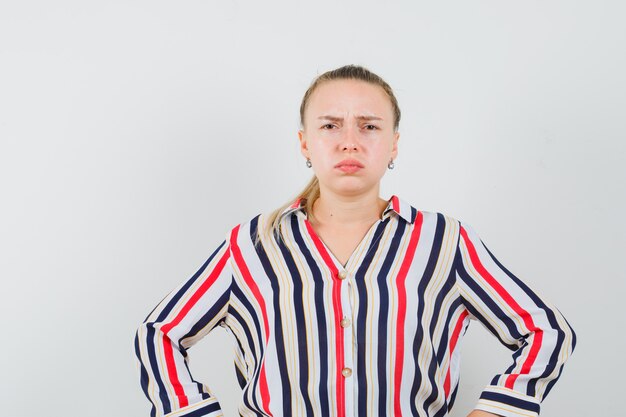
(311,191)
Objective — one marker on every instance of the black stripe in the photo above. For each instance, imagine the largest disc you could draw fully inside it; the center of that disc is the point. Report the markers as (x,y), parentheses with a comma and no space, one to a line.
(443,346)
(285,384)
(554,357)
(489,303)
(425,280)
(448,285)
(383,312)
(180,293)
(506,399)
(298,304)
(150,336)
(143,375)
(241,377)
(321,319)
(413,214)
(552,382)
(362,346)
(203,411)
(208,316)
(252,389)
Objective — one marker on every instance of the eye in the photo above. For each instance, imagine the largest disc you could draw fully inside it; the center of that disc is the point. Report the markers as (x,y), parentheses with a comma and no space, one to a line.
(328,126)
(371,127)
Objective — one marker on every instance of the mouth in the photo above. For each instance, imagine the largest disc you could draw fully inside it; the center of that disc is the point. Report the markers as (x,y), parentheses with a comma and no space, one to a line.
(349,165)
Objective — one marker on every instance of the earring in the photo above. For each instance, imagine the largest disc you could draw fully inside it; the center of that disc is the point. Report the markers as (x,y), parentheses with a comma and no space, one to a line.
(391,165)
(308,163)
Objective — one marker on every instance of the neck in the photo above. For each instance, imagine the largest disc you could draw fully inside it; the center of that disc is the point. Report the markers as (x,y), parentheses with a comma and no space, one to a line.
(334,209)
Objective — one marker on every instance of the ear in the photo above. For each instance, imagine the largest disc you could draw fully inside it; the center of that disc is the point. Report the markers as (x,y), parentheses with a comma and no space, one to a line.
(394,146)
(304,150)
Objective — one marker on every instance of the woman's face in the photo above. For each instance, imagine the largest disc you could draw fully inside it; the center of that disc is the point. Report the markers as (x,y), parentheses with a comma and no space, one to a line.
(348,135)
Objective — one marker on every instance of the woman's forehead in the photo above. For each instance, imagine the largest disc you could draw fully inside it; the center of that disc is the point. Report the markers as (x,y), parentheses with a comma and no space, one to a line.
(343,95)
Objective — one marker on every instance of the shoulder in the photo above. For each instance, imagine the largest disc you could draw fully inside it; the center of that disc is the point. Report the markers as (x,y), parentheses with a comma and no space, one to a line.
(459,228)
(439,223)
(435,218)
(414,215)
(246,228)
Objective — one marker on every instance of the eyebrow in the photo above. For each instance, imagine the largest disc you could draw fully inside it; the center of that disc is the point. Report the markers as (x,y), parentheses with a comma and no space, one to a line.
(339,119)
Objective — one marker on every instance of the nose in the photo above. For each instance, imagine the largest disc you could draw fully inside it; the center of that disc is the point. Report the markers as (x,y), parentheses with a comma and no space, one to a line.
(349,141)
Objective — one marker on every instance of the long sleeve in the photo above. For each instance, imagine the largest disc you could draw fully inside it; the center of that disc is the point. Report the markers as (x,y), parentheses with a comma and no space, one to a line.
(182,318)
(539,335)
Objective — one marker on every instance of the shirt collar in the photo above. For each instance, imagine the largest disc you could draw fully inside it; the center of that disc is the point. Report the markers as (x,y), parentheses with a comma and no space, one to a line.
(396,205)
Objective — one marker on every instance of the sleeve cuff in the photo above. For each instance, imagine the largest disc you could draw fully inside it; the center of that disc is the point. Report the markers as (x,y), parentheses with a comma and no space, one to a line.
(507,403)
(206,408)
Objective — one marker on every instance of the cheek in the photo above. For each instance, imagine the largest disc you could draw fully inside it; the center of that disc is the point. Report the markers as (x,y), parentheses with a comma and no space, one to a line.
(382,150)
(319,149)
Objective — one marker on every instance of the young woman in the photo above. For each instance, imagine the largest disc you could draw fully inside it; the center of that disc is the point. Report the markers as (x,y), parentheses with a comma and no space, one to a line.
(342,303)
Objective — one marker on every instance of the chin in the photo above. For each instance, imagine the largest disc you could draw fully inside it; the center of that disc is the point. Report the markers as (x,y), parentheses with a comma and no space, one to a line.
(352,188)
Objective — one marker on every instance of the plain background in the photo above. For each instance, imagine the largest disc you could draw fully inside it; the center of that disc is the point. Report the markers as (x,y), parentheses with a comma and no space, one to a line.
(134,135)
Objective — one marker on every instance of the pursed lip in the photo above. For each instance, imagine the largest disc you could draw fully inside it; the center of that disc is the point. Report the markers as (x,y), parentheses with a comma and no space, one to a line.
(349,162)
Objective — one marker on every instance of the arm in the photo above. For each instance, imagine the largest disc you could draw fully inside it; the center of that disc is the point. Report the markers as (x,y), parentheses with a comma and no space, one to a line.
(539,335)
(187,314)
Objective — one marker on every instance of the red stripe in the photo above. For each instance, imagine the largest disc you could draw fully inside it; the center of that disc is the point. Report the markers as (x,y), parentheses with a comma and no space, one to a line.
(167,343)
(338,312)
(526,317)
(453,340)
(245,272)
(395,204)
(400,284)
(295,203)
(171,372)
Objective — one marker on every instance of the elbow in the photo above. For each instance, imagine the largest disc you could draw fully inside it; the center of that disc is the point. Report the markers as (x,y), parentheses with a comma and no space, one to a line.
(565,342)
(140,339)
(144,333)
(572,338)
(568,335)
(150,333)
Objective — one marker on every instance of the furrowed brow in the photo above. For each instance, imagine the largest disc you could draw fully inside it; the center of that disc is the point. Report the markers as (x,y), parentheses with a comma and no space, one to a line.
(369,118)
(331,118)
(339,119)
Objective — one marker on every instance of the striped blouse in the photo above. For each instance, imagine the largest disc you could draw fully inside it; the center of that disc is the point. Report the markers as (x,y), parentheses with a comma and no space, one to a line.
(378,336)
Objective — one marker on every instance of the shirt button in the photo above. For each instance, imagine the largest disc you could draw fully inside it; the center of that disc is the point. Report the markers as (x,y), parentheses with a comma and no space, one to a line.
(343,274)
(346,372)
(345,322)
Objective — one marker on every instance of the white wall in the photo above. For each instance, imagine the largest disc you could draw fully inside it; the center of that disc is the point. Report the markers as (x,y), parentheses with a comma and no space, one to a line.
(133,135)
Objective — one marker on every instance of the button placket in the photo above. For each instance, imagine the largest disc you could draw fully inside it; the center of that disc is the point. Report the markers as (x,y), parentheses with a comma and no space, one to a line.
(345,324)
